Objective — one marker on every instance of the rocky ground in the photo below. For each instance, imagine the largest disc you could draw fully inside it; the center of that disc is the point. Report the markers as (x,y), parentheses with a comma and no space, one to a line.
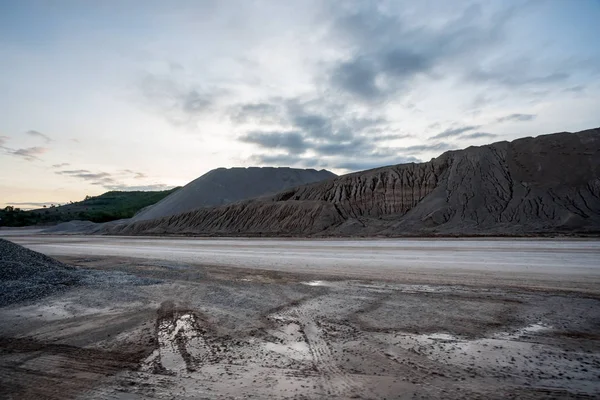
(185,331)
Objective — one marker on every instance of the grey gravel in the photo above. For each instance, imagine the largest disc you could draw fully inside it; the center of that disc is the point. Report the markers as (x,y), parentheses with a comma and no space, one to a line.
(26,275)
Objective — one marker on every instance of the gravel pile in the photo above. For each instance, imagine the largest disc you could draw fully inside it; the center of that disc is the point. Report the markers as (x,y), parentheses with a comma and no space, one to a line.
(27,275)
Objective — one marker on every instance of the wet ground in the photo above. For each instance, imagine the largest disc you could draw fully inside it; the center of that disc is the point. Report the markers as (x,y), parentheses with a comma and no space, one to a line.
(210,330)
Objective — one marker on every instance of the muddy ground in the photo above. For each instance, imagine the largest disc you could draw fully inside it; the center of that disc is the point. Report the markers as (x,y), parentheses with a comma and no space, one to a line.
(196,332)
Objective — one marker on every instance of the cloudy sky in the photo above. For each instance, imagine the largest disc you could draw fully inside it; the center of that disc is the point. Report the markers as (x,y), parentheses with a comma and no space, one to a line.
(104,95)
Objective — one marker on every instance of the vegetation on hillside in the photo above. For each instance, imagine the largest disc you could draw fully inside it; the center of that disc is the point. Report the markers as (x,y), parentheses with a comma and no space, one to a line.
(109,206)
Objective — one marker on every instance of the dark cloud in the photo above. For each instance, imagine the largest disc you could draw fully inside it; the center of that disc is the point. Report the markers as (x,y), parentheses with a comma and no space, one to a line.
(517,117)
(389,51)
(292,141)
(61,165)
(451,132)
(357,77)
(320,135)
(87,175)
(30,153)
(403,63)
(110,181)
(478,135)
(40,135)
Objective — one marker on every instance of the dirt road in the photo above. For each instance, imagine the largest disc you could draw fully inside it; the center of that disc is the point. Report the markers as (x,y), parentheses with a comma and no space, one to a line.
(302,319)
(371,259)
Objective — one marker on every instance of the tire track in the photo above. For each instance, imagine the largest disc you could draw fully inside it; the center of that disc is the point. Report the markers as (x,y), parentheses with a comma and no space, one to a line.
(334,380)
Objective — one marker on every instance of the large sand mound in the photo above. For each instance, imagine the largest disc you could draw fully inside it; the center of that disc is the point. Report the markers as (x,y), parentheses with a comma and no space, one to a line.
(223,186)
(547,184)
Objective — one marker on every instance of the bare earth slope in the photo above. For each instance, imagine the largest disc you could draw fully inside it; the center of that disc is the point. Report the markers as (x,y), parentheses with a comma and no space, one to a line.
(547,184)
(223,186)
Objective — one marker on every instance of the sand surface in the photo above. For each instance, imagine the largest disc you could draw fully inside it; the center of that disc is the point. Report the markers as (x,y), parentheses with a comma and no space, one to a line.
(306,319)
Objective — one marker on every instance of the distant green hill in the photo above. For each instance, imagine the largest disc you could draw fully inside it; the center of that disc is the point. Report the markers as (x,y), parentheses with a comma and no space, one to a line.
(109,206)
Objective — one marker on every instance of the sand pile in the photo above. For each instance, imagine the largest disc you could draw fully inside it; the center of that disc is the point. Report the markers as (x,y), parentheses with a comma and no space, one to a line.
(228,185)
(544,185)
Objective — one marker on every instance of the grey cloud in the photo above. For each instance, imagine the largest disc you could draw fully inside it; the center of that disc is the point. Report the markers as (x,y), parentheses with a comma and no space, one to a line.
(357,77)
(193,102)
(517,117)
(391,136)
(94,178)
(478,135)
(313,124)
(513,76)
(292,141)
(574,89)
(104,182)
(111,181)
(405,63)
(387,49)
(85,174)
(72,172)
(334,135)
(30,153)
(388,52)
(61,165)
(178,103)
(354,148)
(134,174)
(40,135)
(260,112)
(365,162)
(454,132)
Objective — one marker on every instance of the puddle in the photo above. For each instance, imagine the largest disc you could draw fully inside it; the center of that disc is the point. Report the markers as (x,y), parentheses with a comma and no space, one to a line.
(528,330)
(442,336)
(293,343)
(181,345)
(316,283)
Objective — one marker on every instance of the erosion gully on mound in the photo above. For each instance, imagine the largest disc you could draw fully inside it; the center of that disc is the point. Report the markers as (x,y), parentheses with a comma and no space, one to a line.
(544,185)
(186,331)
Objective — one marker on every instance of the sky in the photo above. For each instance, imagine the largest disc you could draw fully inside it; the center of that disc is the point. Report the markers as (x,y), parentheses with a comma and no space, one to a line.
(147,95)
